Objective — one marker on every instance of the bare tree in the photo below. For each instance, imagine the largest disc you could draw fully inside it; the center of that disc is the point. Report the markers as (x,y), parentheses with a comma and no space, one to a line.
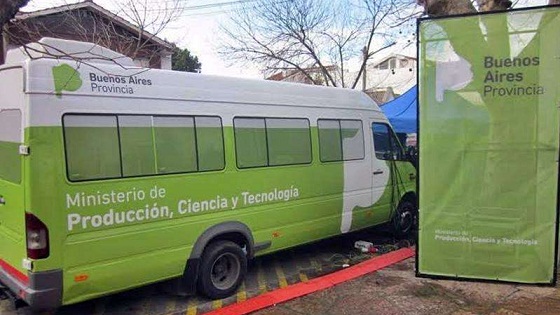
(314,39)
(447,7)
(151,17)
(130,31)
(8,9)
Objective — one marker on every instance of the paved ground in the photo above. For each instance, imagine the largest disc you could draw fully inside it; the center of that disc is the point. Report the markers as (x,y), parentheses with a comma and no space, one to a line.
(396,290)
(265,274)
(393,290)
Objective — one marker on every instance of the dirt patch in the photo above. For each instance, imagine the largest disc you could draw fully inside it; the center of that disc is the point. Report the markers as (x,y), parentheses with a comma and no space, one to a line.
(431,290)
(385,281)
(403,266)
(542,306)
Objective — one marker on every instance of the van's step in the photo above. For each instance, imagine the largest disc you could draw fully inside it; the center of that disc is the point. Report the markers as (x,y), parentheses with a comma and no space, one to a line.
(6,294)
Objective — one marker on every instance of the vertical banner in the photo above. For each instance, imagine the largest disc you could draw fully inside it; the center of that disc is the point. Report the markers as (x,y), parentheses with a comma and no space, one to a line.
(489,97)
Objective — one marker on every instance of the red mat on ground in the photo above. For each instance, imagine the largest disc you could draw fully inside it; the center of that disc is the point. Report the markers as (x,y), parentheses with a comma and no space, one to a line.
(303,288)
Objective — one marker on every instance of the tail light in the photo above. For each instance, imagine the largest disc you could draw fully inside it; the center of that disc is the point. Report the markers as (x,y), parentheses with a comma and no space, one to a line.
(37,237)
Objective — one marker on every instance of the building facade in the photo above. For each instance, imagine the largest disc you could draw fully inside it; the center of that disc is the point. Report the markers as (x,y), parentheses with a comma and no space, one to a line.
(89,22)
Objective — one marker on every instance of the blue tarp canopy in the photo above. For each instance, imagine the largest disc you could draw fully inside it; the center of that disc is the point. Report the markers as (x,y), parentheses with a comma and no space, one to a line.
(402,112)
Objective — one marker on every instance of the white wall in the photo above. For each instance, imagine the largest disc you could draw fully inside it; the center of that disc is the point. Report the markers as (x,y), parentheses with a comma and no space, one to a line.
(166,61)
(400,79)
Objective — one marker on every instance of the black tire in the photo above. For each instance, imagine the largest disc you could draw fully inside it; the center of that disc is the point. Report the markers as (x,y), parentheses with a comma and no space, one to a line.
(404,218)
(223,268)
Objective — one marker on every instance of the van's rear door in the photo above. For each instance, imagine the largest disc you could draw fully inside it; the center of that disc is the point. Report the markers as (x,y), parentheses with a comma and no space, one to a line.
(12,210)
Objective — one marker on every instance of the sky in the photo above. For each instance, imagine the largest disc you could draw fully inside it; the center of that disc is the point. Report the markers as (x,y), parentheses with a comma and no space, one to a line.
(198,29)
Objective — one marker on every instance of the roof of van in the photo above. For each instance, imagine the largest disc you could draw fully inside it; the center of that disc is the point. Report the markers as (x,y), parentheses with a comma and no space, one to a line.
(99,71)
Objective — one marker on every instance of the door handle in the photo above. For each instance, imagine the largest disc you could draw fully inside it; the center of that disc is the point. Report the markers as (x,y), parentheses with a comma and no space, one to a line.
(378,172)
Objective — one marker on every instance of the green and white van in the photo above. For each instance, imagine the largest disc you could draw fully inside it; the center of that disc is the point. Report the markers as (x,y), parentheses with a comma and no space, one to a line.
(114,177)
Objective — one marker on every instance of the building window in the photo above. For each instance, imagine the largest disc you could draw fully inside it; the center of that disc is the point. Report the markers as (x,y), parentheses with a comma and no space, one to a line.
(392,63)
(383,66)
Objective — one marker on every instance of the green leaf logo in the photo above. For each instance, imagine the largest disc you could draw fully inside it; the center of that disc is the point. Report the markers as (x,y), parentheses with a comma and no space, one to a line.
(66,78)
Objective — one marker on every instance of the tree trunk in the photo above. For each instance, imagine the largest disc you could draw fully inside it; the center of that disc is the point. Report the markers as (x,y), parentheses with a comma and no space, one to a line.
(8,9)
(493,5)
(447,7)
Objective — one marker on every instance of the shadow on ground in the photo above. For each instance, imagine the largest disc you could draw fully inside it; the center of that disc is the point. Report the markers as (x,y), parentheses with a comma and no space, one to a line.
(266,273)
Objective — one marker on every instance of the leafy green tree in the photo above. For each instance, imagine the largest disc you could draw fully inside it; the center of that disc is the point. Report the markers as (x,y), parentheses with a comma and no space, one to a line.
(183,60)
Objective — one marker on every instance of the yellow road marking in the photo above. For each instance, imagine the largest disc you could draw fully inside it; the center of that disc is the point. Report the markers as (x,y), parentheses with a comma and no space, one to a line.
(302,275)
(260,278)
(280,274)
(191,309)
(241,294)
(217,304)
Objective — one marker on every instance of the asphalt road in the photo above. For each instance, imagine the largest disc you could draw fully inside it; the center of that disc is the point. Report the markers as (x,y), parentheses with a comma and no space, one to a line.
(265,274)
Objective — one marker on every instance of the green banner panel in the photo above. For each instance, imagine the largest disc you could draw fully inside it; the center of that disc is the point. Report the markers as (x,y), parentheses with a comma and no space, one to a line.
(489,96)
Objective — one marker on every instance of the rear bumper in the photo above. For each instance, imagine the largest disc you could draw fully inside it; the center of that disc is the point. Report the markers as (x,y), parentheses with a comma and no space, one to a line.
(42,292)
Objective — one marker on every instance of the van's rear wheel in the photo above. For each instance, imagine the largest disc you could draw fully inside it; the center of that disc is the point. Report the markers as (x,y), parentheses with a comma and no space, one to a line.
(223,268)
(404,218)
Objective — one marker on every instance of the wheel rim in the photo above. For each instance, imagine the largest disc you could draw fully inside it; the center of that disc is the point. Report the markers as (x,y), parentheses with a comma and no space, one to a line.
(405,219)
(225,271)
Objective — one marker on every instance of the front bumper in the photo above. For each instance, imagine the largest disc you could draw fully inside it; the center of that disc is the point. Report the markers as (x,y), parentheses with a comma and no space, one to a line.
(42,292)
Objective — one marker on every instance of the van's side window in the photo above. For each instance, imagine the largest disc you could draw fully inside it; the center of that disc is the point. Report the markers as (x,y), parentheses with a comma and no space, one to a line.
(113,146)
(10,139)
(137,145)
(289,141)
(250,142)
(330,144)
(340,140)
(92,146)
(210,143)
(387,146)
(175,144)
(272,141)
(352,140)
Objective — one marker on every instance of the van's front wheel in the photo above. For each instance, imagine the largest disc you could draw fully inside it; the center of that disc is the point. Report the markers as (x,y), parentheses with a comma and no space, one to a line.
(404,218)
(223,268)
